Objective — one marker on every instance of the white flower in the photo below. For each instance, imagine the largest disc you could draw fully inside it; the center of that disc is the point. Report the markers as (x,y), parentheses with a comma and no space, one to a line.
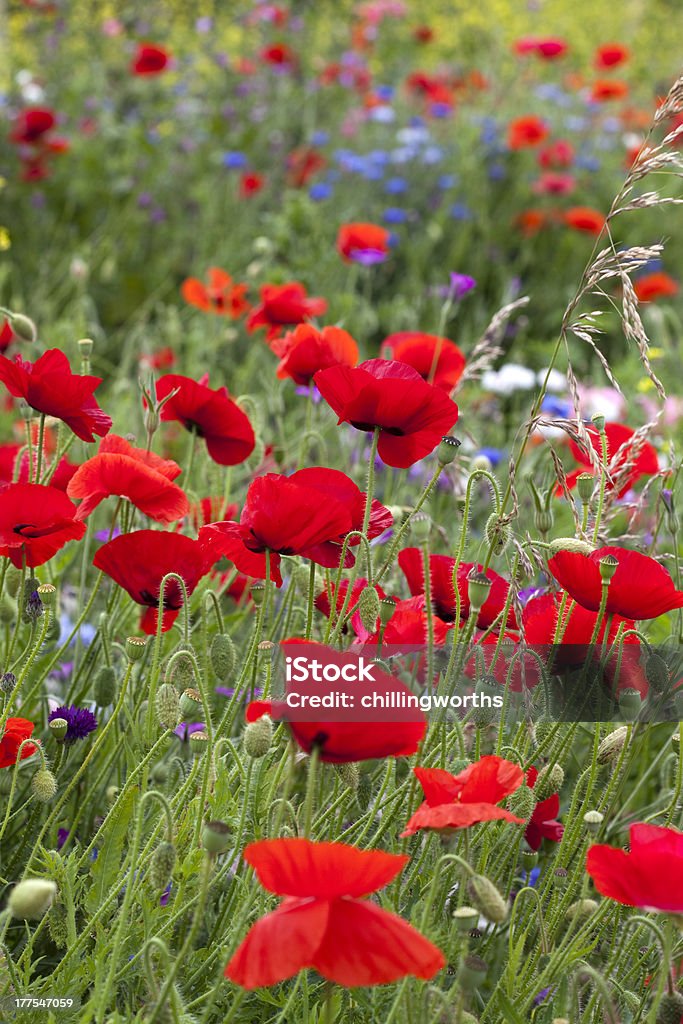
(556,381)
(510,378)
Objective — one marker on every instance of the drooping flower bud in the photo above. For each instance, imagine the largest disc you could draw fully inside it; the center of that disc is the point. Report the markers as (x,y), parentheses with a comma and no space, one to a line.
(349,774)
(612,745)
(104,689)
(167,706)
(182,666)
(223,656)
(498,533)
(44,785)
(549,781)
(369,608)
(521,802)
(657,672)
(487,899)
(31,898)
(582,908)
(23,327)
(163,863)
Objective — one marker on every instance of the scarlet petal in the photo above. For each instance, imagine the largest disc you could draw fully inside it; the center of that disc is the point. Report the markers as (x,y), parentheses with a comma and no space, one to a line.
(459,815)
(366,945)
(490,779)
(279,944)
(298,867)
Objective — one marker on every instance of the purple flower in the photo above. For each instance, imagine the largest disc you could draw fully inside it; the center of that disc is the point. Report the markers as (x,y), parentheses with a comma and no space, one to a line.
(62,836)
(80,722)
(461,284)
(185,729)
(367,257)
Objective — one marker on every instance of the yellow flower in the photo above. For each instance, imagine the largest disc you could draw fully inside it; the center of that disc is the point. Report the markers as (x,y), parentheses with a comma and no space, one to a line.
(5,240)
(645,384)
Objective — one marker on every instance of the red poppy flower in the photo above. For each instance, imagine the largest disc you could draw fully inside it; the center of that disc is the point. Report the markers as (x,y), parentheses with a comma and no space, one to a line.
(305,350)
(162,359)
(624,467)
(323,922)
(539,624)
(279,54)
(355,239)
(554,184)
(530,222)
(641,588)
(333,485)
(134,473)
(525,132)
(16,731)
(610,55)
(49,387)
(547,48)
(340,741)
(412,415)
(220,295)
(437,360)
(35,523)
(7,336)
(542,823)
(408,627)
(211,414)
(211,510)
(302,164)
(608,89)
(139,561)
(458,801)
(653,286)
(649,876)
(32,124)
(423,34)
(583,218)
(283,517)
(556,155)
(250,184)
(149,60)
(441,568)
(59,478)
(284,305)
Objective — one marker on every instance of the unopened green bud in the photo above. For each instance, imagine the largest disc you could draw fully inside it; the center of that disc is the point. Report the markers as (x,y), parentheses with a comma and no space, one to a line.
(135,647)
(223,656)
(593,820)
(104,689)
(182,667)
(608,566)
(522,802)
(58,728)
(670,1010)
(258,736)
(612,745)
(167,706)
(191,707)
(447,450)
(215,837)
(543,520)
(657,672)
(573,544)
(369,608)
(549,781)
(478,589)
(44,785)
(472,972)
(585,485)
(31,898)
(112,794)
(163,863)
(498,533)
(349,774)
(486,898)
(23,327)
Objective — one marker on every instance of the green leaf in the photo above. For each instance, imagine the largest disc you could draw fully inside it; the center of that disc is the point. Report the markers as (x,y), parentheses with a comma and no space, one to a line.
(106,867)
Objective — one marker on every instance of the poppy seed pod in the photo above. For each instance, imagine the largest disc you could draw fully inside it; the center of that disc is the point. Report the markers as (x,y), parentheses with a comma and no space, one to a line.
(585,485)
(472,972)
(23,327)
(630,703)
(598,421)
(258,592)
(31,898)
(447,449)
(612,745)
(199,742)
(478,589)
(487,899)
(593,820)
(387,607)
(47,594)
(43,785)
(85,347)
(135,647)
(215,837)
(465,919)
(191,707)
(163,863)
(167,706)
(222,656)
(608,566)
(58,728)
(258,736)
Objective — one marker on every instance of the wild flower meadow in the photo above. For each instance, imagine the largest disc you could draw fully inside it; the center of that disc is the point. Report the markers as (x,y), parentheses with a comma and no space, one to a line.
(340,559)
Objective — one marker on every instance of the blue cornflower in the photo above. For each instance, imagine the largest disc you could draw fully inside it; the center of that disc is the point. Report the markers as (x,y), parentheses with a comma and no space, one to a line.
(80,722)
